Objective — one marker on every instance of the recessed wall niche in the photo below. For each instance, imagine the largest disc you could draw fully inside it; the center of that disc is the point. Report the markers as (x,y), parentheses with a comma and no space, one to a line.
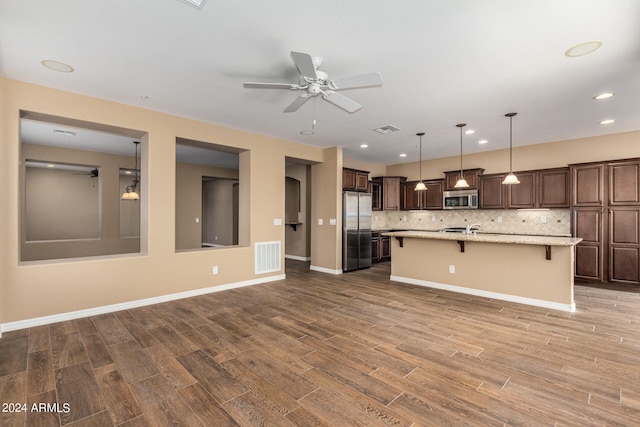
(71,179)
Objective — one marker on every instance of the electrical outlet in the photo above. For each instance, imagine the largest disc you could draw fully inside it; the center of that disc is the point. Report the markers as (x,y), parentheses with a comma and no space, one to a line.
(543,219)
(499,219)
(332,221)
(277,221)
(452,269)
(214,270)
(433,218)
(320,221)
(197,220)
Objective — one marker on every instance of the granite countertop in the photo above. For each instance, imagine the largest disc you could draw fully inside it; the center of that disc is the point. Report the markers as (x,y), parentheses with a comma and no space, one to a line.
(519,239)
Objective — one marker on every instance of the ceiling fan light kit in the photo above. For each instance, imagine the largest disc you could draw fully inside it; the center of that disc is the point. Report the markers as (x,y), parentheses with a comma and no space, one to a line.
(317,83)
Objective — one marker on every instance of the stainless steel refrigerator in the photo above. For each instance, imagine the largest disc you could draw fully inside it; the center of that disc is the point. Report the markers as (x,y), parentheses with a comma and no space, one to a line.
(356,230)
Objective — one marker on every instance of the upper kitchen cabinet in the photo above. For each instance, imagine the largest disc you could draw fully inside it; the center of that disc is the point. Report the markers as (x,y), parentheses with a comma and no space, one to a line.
(492,192)
(375,188)
(554,188)
(546,188)
(391,187)
(355,180)
(431,198)
(624,183)
(587,184)
(471,175)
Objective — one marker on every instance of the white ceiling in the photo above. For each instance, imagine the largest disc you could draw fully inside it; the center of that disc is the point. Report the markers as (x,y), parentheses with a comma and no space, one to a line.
(443,62)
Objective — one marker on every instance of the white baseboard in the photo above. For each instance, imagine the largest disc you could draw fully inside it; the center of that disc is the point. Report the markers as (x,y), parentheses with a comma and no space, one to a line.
(324,270)
(46,320)
(298,258)
(487,294)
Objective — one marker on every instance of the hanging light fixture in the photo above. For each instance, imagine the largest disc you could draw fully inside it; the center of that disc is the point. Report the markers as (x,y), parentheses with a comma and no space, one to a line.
(510,178)
(462,183)
(420,186)
(131,192)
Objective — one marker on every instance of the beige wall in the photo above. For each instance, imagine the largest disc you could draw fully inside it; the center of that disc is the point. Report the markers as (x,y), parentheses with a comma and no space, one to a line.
(33,290)
(539,156)
(373,168)
(189,202)
(107,240)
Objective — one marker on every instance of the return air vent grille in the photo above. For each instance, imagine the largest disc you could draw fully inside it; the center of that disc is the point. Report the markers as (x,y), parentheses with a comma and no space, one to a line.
(198,4)
(386,129)
(267,257)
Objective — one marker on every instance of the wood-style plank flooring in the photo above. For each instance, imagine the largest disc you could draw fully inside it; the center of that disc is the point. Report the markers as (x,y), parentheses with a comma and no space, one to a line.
(323,350)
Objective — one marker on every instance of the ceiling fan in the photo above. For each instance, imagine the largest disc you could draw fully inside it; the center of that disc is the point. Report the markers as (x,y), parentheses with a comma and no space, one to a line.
(315,82)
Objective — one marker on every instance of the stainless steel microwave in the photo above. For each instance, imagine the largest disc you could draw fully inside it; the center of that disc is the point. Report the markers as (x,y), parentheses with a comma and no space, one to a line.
(460,199)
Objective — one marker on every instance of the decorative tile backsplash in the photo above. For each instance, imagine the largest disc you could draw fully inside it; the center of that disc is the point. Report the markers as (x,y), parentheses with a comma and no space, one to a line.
(553,222)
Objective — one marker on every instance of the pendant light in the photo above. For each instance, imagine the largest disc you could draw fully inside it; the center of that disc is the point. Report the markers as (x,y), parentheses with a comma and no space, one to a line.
(131,192)
(462,183)
(420,186)
(510,178)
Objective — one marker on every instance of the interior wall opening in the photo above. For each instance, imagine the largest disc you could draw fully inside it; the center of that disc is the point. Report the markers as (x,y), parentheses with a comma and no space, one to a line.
(297,209)
(71,181)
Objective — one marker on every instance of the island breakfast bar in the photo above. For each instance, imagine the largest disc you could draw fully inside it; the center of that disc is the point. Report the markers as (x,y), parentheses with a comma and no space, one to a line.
(534,270)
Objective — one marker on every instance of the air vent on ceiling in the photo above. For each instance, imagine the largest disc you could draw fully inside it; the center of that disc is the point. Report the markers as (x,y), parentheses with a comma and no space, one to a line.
(387,129)
(198,4)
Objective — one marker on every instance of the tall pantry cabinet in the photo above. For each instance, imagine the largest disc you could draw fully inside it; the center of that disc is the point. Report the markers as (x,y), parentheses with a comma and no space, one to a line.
(605,213)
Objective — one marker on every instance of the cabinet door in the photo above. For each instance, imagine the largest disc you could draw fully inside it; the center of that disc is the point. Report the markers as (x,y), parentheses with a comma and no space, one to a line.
(412,199)
(553,188)
(587,223)
(523,195)
(391,193)
(492,192)
(362,181)
(587,185)
(471,175)
(624,245)
(624,183)
(385,248)
(375,188)
(433,196)
(375,249)
(348,179)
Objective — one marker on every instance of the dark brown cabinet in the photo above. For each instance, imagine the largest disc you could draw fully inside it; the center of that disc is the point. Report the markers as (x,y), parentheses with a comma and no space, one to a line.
(546,188)
(624,183)
(587,185)
(391,187)
(492,192)
(431,198)
(375,188)
(606,215)
(355,180)
(380,247)
(471,175)
(624,245)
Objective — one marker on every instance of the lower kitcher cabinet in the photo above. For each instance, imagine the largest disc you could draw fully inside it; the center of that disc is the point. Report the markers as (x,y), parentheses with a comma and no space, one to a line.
(380,248)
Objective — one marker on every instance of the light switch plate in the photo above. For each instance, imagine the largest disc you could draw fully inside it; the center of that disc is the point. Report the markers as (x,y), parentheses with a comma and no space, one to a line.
(332,221)
(277,221)
(320,222)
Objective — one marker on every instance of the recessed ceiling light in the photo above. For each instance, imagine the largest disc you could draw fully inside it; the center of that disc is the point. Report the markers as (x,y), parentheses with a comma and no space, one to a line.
(403,154)
(604,95)
(50,165)
(364,145)
(583,48)
(144,97)
(607,122)
(307,132)
(482,141)
(57,66)
(469,132)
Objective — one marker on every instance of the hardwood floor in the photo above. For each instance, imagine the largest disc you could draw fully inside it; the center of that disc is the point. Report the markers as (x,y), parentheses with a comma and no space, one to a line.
(322,350)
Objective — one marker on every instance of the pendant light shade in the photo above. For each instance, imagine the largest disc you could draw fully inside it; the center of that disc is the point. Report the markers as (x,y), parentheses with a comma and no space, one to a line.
(420,185)
(131,192)
(462,183)
(511,178)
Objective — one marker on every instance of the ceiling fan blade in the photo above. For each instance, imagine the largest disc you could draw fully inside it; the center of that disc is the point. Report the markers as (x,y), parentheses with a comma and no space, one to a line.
(362,80)
(304,64)
(297,103)
(270,85)
(342,101)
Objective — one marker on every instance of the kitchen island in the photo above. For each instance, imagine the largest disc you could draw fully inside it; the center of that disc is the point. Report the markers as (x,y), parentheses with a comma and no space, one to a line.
(534,270)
